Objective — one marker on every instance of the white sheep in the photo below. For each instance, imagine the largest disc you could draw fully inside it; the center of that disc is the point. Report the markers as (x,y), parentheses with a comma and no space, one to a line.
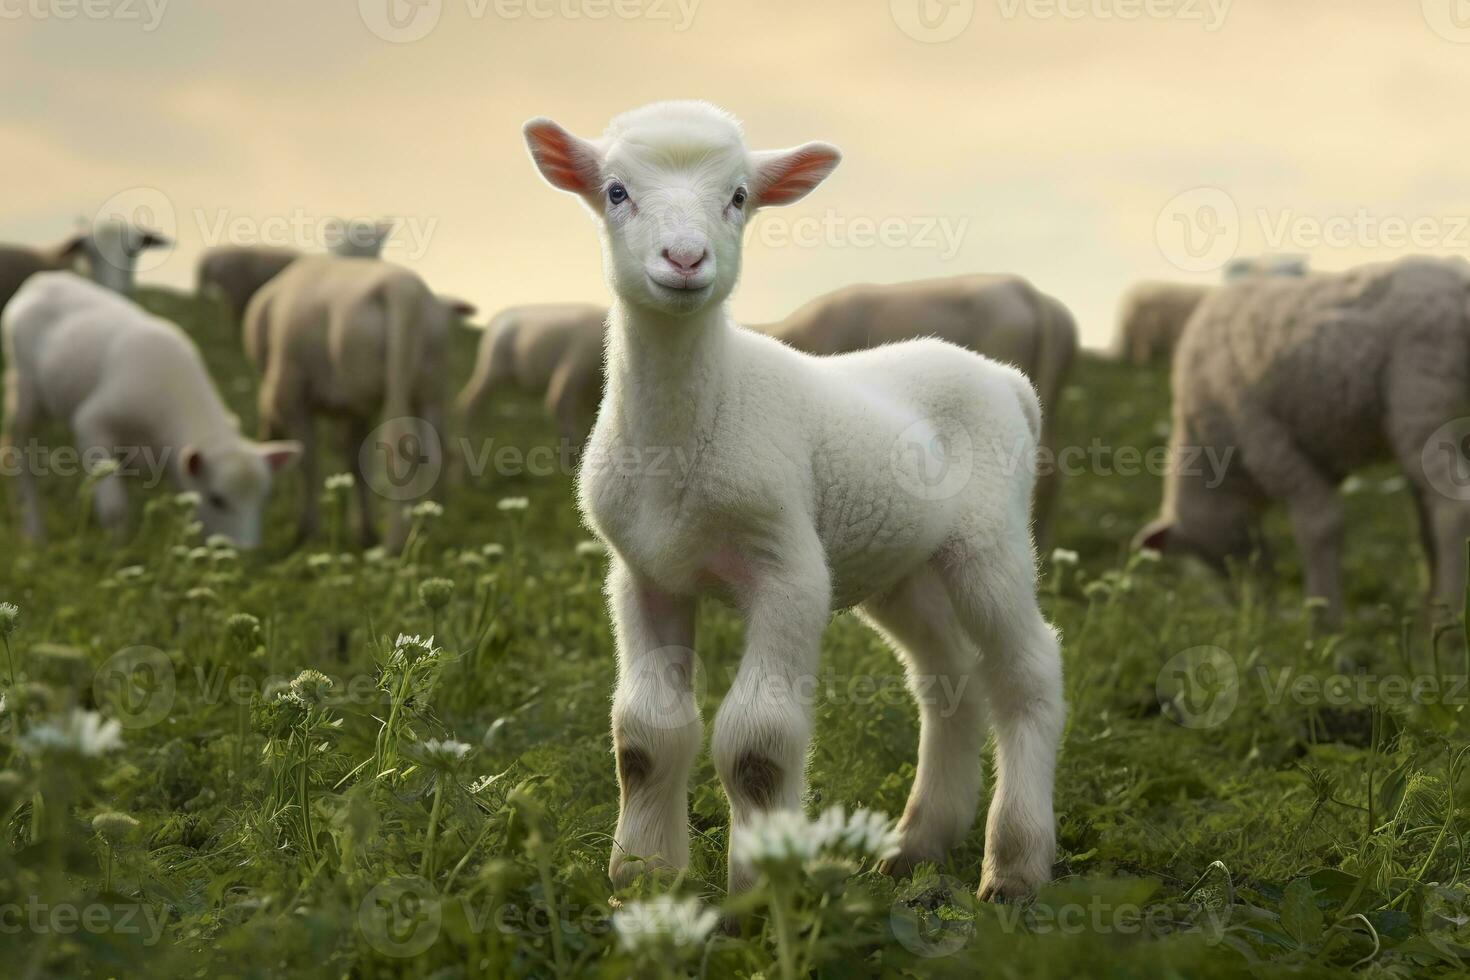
(237,272)
(1299,381)
(108,251)
(885,480)
(131,386)
(1151,319)
(356,339)
(553,350)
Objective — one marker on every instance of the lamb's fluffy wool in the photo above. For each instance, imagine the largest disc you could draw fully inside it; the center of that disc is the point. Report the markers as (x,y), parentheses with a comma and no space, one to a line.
(133,385)
(897,480)
(1305,380)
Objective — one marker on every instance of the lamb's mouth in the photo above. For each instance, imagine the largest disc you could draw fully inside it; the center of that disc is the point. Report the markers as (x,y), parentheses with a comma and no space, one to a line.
(680,285)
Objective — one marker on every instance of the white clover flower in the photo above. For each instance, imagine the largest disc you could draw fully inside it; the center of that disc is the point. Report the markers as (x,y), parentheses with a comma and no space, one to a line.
(426,508)
(339,481)
(319,561)
(1063,557)
(132,571)
(186,500)
(9,618)
(591,549)
(493,552)
(1149,555)
(663,920)
(375,555)
(218,542)
(80,733)
(445,753)
(785,836)
(513,503)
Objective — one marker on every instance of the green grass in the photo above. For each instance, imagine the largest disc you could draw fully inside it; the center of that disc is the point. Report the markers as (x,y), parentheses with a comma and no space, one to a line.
(319,836)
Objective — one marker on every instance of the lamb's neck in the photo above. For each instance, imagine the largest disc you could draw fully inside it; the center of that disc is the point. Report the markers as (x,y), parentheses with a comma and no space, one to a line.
(665,375)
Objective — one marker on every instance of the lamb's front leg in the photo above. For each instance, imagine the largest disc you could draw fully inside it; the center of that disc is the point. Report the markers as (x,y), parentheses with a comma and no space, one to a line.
(764,724)
(655,721)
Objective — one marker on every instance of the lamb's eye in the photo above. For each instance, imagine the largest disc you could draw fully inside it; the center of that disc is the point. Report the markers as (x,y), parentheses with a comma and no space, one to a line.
(739,199)
(616,194)
(218,502)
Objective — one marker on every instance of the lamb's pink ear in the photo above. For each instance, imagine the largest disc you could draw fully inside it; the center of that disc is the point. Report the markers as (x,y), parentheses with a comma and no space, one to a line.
(1154,537)
(568,163)
(463,309)
(787,176)
(279,455)
(191,461)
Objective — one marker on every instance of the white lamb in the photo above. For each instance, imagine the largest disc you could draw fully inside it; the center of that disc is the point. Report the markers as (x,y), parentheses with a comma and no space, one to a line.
(127,383)
(884,479)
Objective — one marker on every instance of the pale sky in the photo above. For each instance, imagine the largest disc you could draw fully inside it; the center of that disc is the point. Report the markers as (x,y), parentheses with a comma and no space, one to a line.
(1050,138)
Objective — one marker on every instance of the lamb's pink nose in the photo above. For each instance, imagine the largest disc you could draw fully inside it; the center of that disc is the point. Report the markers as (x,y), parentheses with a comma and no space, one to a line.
(686,258)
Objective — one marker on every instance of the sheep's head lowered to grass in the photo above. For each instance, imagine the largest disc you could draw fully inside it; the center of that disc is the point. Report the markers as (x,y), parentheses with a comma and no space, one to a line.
(673,186)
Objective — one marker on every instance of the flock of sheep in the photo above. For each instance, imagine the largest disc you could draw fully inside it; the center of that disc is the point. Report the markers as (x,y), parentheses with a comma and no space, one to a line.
(858,454)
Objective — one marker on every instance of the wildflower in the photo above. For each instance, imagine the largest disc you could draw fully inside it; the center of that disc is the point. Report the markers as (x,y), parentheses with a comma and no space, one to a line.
(375,555)
(494,552)
(188,500)
(591,549)
(243,627)
(783,836)
(9,618)
(435,593)
(218,542)
(1149,555)
(426,509)
(199,555)
(1063,557)
(513,503)
(131,572)
(201,593)
(311,688)
(339,481)
(415,647)
(84,733)
(471,560)
(681,922)
(318,561)
(445,754)
(114,827)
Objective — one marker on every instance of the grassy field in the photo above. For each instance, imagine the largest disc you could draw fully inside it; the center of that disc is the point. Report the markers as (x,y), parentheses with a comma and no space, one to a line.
(1235,795)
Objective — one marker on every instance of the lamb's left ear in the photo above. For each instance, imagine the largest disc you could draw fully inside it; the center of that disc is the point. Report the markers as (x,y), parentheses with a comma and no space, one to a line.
(279,455)
(787,176)
(461,308)
(568,162)
(152,239)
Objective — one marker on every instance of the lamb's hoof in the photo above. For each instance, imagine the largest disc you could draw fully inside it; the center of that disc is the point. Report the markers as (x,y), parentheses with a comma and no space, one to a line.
(1005,889)
(902,864)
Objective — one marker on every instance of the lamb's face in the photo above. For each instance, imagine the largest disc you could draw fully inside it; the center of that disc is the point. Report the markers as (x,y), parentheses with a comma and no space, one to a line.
(673,185)
(112,251)
(233,483)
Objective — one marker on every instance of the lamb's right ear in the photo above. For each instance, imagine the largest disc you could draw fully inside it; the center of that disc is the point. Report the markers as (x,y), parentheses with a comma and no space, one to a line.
(568,162)
(1155,536)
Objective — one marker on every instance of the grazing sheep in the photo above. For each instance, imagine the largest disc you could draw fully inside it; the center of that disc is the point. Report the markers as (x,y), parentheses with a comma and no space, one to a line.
(1303,381)
(131,386)
(1002,317)
(358,339)
(109,252)
(18,263)
(236,273)
(724,462)
(1152,318)
(553,350)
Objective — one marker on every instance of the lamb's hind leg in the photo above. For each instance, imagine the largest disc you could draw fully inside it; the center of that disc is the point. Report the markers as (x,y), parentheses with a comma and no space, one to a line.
(655,721)
(918,620)
(993,587)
